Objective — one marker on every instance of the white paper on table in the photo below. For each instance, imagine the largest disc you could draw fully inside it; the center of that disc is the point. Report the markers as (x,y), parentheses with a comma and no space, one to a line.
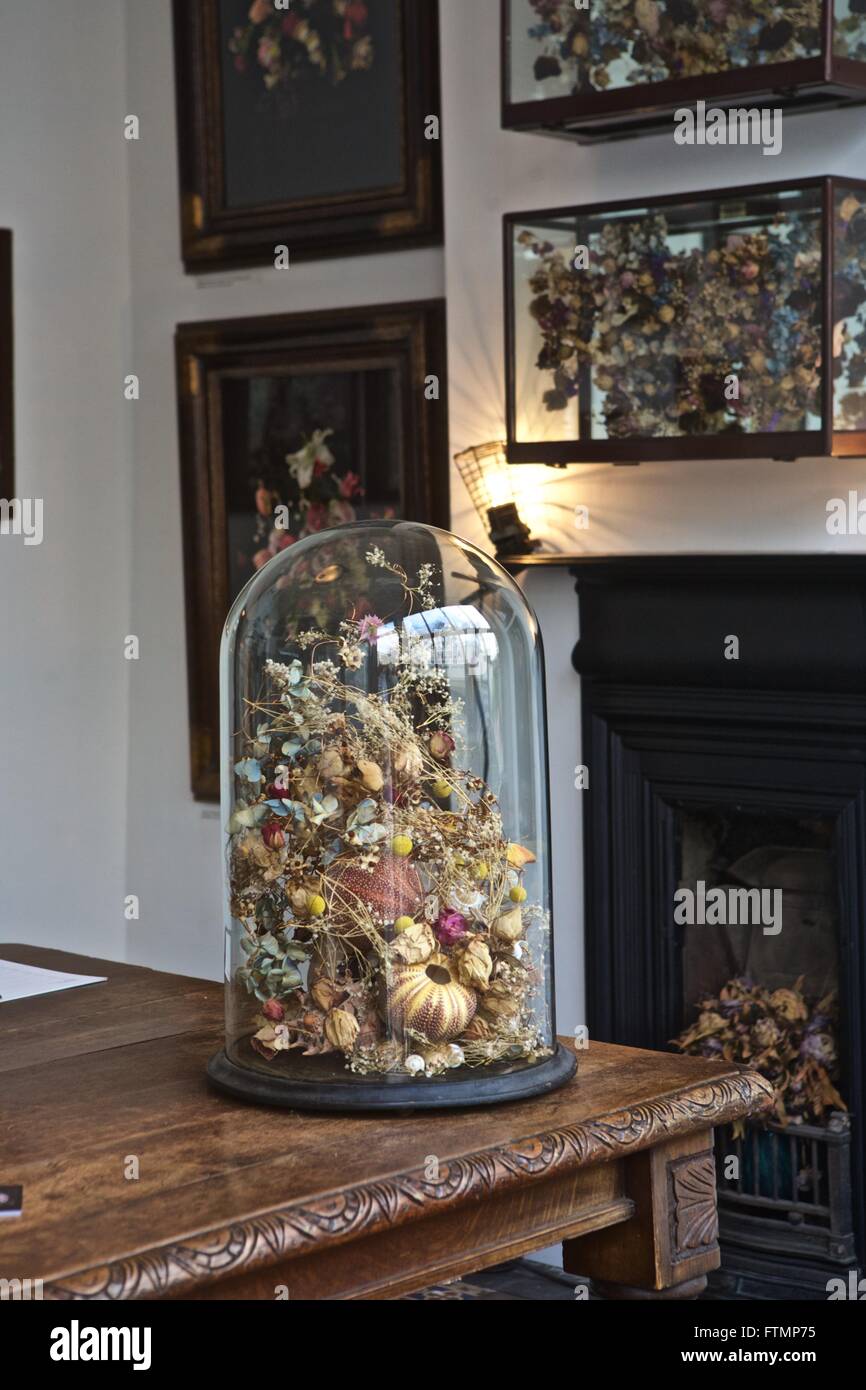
(24,981)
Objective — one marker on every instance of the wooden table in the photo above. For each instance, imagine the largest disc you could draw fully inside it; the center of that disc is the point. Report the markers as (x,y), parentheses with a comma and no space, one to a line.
(234,1201)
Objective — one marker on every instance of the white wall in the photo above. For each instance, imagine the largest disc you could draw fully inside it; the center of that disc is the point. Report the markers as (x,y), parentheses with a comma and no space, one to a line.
(174,844)
(736,506)
(63,605)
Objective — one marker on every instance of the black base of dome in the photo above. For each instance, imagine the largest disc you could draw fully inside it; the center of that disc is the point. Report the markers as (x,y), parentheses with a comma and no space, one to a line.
(400,1094)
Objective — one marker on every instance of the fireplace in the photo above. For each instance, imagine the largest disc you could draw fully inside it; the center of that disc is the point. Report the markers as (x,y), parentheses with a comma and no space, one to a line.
(733,772)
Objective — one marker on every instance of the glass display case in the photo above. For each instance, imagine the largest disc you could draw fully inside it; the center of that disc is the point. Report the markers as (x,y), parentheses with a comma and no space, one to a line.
(387,852)
(727,324)
(603,69)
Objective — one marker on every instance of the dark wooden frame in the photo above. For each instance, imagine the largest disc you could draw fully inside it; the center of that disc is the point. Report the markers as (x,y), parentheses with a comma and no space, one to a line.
(805,84)
(821,443)
(411,337)
(7,373)
(215,237)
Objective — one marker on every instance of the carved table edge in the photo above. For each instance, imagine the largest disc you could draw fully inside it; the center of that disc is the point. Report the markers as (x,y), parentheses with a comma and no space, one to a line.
(346,1214)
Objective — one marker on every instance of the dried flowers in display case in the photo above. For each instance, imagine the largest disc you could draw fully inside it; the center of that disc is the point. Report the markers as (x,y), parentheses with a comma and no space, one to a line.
(387,875)
(726,324)
(603,69)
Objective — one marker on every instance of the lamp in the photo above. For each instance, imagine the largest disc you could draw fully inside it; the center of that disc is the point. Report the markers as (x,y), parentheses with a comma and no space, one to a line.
(489,481)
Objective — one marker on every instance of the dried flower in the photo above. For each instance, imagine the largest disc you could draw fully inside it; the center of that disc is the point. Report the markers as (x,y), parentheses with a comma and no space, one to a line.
(342,1029)
(371,774)
(450,926)
(442,745)
(368,628)
(331,765)
(474,964)
(274,1010)
(777,1032)
(272,835)
(509,926)
(414,945)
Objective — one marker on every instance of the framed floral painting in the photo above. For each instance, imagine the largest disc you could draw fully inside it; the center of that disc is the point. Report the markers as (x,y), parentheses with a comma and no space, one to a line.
(7,488)
(305,123)
(289,425)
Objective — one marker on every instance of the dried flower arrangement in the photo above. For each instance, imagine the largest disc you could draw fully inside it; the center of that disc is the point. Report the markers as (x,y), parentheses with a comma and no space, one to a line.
(627,42)
(849,30)
(325,39)
(662,330)
(381,904)
(849,311)
(305,496)
(790,1041)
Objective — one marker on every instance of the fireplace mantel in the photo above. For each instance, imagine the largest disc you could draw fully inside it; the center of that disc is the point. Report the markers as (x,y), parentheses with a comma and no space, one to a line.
(800,620)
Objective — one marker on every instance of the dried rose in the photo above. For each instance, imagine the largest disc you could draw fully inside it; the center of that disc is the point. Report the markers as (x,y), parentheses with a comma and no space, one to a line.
(342,1029)
(509,927)
(414,945)
(371,774)
(331,765)
(499,1002)
(274,1010)
(477,1031)
(474,964)
(408,760)
(326,993)
(789,1004)
(519,856)
(450,926)
(273,835)
(442,745)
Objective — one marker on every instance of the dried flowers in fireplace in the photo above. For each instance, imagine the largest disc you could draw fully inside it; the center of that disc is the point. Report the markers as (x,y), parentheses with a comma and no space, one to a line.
(788,1038)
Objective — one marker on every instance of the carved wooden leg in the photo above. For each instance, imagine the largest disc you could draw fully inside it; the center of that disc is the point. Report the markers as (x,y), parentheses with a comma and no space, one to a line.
(671,1243)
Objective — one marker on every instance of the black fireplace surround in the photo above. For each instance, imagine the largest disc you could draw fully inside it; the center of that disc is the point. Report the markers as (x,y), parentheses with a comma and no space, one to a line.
(669,724)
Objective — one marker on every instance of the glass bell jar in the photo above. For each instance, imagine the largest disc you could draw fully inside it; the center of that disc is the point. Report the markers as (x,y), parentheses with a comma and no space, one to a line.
(385,812)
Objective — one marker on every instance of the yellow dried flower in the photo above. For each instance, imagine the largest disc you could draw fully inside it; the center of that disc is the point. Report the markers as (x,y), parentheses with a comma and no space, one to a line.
(371,775)
(342,1029)
(474,964)
(509,927)
(414,945)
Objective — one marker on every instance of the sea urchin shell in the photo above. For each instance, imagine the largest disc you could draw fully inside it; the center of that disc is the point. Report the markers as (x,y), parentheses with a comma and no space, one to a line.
(429,999)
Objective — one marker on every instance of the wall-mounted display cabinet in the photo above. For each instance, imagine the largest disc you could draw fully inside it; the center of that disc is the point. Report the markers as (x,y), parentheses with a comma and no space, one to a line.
(726,324)
(611,68)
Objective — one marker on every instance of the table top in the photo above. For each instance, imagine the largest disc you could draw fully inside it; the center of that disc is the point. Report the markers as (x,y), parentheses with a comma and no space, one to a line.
(95,1076)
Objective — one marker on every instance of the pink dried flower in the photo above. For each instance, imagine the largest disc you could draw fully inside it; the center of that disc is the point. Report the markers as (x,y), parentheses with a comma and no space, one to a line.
(350,485)
(368,628)
(442,745)
(274,1010)
(450,927)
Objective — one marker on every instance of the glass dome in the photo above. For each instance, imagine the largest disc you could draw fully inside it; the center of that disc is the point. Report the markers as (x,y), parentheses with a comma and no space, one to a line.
(385,810)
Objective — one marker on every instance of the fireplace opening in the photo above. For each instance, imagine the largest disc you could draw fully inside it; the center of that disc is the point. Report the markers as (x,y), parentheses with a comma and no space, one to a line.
(766,992)
(731,848)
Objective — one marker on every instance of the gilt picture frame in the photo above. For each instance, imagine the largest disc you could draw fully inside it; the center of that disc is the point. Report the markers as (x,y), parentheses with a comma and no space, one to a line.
(306,126)
(290,424)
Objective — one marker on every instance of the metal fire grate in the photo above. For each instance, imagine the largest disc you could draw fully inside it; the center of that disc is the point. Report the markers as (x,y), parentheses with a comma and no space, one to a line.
(791,1192)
